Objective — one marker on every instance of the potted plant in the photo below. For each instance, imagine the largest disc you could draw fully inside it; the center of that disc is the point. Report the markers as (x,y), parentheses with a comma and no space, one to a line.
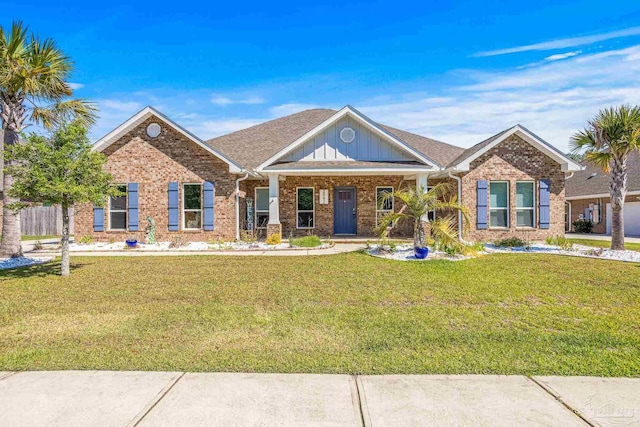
(417,204)
(132,242)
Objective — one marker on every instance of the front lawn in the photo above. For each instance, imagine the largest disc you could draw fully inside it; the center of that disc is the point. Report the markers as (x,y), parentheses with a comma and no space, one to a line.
(604,244)
(351,313)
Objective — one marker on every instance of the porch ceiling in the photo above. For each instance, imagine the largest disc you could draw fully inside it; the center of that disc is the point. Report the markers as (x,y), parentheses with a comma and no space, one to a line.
(348,167)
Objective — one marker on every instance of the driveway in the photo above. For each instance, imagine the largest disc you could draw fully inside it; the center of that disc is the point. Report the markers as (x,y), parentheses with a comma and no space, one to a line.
(67,398)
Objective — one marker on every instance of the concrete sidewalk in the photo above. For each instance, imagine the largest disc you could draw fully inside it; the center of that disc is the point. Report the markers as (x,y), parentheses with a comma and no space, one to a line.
(69,398)
(627,239)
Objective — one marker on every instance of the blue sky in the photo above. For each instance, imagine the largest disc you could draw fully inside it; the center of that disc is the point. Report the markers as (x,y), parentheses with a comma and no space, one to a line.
(458,73)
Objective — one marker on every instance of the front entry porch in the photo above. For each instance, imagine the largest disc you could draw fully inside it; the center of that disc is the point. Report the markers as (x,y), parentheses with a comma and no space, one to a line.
(327,206)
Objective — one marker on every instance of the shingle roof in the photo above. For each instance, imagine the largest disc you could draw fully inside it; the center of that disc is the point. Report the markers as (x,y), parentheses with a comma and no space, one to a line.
(474,149)
(252,146)
(584,184)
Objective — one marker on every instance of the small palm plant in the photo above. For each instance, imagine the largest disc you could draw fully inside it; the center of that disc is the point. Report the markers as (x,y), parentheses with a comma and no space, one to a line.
(417,204)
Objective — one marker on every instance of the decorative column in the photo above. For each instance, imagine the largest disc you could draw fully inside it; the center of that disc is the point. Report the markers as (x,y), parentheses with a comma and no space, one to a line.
(274,226)
(422,181)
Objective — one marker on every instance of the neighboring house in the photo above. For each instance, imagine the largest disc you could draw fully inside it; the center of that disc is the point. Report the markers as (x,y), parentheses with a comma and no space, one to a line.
(588,198)
(318,171)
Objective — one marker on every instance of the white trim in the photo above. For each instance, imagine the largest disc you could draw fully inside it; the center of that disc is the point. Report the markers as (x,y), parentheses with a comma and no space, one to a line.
(534,208)
(385,211)
(570,222)
(601,195)
(347,172)
(255,210)
(508,208)
(567,164)
(313,211)
(125,210)
(363,120)
(144,114)
(183,222)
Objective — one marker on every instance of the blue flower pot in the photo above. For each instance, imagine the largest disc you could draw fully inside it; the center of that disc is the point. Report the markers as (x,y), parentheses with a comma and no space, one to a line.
(131,243)
(421,253)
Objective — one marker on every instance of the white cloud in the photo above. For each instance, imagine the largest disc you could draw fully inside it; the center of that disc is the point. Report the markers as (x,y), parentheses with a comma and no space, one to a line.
(124,106)
(554,100)
(564,43)
(560,56)
(224,100)
(76,86)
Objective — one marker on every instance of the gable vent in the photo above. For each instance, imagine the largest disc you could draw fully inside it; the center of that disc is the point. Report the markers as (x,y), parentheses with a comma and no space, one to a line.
(347,135)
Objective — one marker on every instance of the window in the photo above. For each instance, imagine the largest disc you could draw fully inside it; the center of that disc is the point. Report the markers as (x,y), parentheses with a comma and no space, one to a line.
(383,207)
(525,204)
(305,208)
(499,204)
(192,206)
(262,207)
(118,210)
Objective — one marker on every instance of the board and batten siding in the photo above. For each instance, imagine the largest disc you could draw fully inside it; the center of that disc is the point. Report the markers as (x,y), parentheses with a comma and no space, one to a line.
(367,146)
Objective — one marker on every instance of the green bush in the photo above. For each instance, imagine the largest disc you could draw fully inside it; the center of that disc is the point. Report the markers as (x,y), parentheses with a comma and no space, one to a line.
(582,226)
(560,241)
(511,242)
(311,241)
(86,240)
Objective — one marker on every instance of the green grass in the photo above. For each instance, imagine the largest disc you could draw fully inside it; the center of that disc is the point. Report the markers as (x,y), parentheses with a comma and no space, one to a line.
(28,237)
(306,241)
(604,244)
(351,313)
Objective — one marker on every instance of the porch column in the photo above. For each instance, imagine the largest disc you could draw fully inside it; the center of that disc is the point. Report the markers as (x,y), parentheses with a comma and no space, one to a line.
(274,226)
(422,182)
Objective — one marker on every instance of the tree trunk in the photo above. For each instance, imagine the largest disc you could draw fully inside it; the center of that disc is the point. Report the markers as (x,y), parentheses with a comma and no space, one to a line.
(65,239)
(11,245)
(418,234)
(618,192)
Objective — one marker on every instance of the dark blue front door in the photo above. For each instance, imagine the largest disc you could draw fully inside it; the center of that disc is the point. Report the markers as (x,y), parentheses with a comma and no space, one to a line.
(344,210)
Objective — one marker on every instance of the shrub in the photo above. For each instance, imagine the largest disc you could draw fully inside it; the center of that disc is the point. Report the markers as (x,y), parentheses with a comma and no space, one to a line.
(86,240)
(473,248)
(560,241)
(582,226)
(311,241)
(511,242)
(177,242)
(274,239)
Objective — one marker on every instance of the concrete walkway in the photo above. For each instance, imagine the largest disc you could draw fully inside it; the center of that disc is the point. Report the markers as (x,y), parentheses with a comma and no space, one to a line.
(69,398)
(627,239)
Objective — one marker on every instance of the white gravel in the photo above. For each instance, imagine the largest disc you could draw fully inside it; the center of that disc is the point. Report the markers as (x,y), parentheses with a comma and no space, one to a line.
(6,263)
(190,246)
(576,250)
(405,253)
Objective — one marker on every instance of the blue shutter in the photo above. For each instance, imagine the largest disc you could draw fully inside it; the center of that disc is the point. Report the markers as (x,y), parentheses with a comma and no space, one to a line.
(174,212)
(207,206)
(132,199)
(545,203)
(98,218)
(481,197)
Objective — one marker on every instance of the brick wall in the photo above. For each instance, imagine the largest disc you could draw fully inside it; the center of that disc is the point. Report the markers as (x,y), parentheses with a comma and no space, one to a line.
(515,160)
(365,202)
(153,163)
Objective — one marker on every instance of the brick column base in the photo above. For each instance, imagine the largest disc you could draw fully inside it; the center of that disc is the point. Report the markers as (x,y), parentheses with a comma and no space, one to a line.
(274,229)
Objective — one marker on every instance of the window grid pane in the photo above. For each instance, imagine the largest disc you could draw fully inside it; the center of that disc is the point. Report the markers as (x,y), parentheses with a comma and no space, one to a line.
(305,199)
(118,210)
(524,194)
(192,196)
(386,205)
(499,194)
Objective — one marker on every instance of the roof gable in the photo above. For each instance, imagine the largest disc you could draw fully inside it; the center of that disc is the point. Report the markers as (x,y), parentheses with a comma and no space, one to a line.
(463,162)
(400,148)
(138,118)
(592,181)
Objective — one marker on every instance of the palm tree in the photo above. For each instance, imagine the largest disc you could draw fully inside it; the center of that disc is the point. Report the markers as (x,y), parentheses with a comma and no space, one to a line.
(33,88)
(607,141)
(417,204)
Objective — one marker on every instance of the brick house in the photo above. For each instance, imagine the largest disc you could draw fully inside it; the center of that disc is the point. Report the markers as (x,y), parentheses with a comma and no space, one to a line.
(318,171)
(588,198)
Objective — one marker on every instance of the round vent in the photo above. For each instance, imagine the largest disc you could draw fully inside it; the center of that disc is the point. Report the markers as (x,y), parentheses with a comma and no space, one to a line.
(347,135)
(153,130)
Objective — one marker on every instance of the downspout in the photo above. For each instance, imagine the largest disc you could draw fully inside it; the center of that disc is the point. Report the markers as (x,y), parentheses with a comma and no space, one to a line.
(238,205)
(457,178)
